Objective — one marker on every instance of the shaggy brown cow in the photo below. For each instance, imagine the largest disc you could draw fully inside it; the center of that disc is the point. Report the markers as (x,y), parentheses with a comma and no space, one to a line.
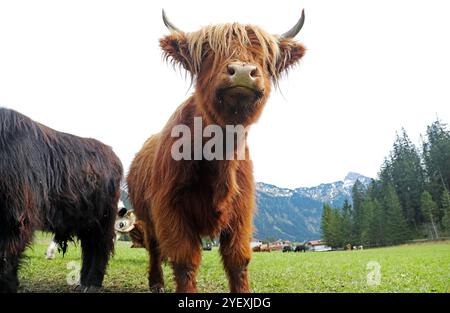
(182,200)
(59,183)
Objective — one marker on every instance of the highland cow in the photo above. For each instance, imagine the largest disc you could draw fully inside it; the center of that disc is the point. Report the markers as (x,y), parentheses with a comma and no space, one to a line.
(126,224)
(60,183)
(181,200)
(300,248)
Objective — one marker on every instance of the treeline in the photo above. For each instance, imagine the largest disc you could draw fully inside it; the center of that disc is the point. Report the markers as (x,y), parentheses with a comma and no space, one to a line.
(409,200)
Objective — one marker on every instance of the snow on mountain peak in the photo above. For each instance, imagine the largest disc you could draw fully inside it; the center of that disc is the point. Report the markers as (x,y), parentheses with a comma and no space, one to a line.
(323,192)
(352,177)
(274,190)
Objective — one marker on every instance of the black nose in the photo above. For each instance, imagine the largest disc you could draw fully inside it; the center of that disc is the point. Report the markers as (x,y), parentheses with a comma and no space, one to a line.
(122,224)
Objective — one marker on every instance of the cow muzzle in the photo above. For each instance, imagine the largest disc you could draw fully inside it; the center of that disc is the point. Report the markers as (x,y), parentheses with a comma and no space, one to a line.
(242,87)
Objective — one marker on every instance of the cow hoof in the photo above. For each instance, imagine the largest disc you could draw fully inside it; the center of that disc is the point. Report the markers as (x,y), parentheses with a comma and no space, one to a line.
(86,289)
(91,289)
(78,288)
(157,289)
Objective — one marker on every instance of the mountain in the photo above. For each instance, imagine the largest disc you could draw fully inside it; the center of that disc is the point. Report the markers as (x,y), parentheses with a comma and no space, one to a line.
(334,193)
(295,214)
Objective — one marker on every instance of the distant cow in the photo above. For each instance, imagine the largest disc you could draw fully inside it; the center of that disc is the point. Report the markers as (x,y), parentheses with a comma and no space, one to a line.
(261,248)
(287,248)
(125,220)
(60,183)
(256,248)
(265,248)
(126,223)
(300,248)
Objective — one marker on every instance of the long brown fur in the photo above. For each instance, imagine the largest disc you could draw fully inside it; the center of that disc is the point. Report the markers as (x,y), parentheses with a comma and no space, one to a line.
(179,202)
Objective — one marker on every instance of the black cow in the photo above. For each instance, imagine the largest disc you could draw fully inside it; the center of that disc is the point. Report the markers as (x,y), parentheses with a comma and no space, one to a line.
(60,183)
(300,248)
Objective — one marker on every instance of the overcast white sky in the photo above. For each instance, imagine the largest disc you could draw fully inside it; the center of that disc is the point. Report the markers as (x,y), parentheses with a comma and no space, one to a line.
(94,69)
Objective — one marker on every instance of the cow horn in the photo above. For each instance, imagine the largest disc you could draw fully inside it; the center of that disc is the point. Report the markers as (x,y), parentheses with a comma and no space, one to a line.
(296,29)
(169,24)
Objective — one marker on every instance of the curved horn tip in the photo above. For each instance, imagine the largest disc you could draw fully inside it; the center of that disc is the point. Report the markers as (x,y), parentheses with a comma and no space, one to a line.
(169,24)
(165,20)
(297,27)
(164,16)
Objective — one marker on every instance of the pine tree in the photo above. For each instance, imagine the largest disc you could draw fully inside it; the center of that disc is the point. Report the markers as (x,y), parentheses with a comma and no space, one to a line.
(346,223)
(337,229)
(372,230)
(429,210)
(366,222)
(445,206)
(358,195)
(436,155)
(378,228)
(409,177)
(325,223)
(403,169)
(396,228)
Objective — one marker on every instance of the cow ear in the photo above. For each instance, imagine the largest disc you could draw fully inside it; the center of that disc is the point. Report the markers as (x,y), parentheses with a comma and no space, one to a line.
(176,49)
(290,53)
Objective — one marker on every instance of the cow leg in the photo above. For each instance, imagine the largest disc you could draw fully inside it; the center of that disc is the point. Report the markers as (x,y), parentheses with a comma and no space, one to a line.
(9,265)
(186,271)
(185,256)
(96,251)
(87,255)
(11,249)
(236,254)
(97,246)
(155,275)
(182,247)
(99,263)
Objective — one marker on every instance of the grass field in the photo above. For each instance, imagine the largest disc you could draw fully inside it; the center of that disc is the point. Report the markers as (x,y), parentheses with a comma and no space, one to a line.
(408,268)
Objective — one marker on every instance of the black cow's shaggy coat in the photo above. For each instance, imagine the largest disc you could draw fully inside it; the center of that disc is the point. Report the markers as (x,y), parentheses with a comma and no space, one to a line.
(55,182)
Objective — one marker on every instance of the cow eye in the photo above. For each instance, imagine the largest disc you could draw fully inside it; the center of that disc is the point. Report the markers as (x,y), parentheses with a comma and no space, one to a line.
(205,54)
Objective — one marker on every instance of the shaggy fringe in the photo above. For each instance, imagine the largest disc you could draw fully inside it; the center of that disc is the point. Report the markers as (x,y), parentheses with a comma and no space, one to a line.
(228,39)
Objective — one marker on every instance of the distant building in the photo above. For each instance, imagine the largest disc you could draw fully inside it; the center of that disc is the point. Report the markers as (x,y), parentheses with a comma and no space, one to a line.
(318,246)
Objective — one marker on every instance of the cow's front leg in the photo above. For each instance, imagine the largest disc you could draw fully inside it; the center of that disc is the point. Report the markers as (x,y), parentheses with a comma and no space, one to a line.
(236,254)
(182,247)
(185,265)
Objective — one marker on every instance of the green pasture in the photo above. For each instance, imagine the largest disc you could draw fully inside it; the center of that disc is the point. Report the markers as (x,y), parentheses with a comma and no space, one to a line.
(408,268)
